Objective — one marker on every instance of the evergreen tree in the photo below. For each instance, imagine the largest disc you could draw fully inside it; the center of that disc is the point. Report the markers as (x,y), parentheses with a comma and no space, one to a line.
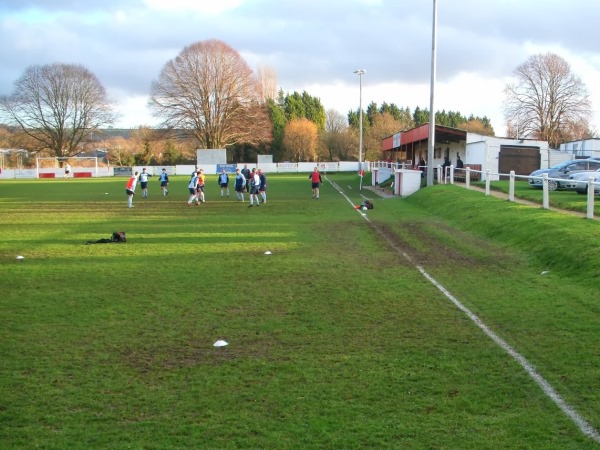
(420,116)
(294,107)
(314,110)
(278,120)
(372,111)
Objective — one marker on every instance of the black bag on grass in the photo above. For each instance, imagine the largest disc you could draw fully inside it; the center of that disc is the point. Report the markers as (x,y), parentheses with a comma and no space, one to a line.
(117,236)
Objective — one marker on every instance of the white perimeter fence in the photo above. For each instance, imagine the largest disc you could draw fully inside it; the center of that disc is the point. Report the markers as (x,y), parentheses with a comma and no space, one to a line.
(92,172)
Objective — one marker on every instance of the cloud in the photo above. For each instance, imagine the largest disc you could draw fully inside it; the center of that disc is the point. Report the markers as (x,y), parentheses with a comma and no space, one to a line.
(312,45)
(210,7)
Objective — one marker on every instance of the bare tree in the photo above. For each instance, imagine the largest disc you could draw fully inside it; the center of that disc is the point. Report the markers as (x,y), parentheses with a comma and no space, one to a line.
(337,139)
(58,106)
(120,151)
(210,91)
(547,101)
(267,81)
(383,125)
(335,121)
(5,137)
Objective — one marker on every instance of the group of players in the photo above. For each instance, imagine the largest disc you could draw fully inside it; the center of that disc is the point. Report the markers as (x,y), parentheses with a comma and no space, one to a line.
(143,179)
(253,182)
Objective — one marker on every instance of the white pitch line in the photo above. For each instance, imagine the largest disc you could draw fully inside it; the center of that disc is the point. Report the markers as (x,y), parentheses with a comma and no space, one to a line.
(529,368)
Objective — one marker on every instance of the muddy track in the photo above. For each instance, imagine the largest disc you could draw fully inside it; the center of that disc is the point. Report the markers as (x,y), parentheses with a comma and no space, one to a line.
(436,245)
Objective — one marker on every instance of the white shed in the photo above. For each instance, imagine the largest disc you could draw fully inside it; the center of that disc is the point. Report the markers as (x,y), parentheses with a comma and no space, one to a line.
(501,155)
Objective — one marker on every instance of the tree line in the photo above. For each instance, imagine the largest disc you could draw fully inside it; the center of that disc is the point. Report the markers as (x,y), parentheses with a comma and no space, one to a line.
(208,97)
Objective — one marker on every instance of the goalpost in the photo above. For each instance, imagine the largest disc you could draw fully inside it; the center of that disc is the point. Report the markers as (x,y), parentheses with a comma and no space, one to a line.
(56,162)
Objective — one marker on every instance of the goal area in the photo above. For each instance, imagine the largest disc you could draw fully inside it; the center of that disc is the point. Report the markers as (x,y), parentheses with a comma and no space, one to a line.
(60,162)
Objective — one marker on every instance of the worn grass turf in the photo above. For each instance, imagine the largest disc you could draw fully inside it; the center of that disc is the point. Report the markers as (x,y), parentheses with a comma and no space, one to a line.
(335,339)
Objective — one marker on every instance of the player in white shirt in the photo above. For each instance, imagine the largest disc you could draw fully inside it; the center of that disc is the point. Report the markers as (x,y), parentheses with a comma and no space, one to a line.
(144,182)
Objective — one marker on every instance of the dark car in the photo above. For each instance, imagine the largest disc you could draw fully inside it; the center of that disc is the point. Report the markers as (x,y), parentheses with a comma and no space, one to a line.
(559,173)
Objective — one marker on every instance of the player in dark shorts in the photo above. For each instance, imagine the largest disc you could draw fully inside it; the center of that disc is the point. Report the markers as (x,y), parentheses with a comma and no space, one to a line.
(262,189)
(254,185)
(200,189)
(246,172)
(223,181)
(315,178)
(240,185)
(144,182)
(164,182)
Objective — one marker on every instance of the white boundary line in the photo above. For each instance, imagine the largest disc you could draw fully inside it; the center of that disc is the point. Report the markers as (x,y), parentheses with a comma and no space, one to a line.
(546,387)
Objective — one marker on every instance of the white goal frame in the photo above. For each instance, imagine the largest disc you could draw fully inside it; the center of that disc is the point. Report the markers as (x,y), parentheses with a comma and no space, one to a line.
(71,159)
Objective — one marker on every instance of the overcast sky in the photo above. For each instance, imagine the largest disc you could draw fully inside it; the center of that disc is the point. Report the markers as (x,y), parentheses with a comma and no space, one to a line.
(312,45)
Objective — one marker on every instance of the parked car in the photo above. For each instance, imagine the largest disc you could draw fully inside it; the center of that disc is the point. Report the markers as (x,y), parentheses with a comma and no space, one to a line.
(559,173)
(578,182)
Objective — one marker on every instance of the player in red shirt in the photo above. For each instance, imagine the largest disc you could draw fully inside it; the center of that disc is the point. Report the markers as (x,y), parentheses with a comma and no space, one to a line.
(130,189)
(315,178)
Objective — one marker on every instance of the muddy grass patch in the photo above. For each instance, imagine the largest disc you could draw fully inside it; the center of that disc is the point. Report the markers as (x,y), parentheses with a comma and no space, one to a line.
(437,244)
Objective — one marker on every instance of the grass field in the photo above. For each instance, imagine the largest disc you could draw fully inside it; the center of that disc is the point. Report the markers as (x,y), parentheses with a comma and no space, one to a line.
(336,340)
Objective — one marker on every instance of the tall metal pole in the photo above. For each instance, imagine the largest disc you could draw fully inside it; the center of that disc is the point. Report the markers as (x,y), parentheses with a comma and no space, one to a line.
(360,123)
(431,145)
(360,73)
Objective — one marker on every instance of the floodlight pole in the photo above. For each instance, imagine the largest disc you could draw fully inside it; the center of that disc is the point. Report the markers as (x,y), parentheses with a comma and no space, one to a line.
(431,139)
(360,73)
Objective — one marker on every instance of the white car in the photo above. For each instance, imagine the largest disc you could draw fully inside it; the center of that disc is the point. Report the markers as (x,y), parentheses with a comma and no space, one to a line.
(578,182)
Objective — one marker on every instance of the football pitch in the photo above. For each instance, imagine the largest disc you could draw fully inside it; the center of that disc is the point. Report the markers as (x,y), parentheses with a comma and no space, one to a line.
(425,323)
